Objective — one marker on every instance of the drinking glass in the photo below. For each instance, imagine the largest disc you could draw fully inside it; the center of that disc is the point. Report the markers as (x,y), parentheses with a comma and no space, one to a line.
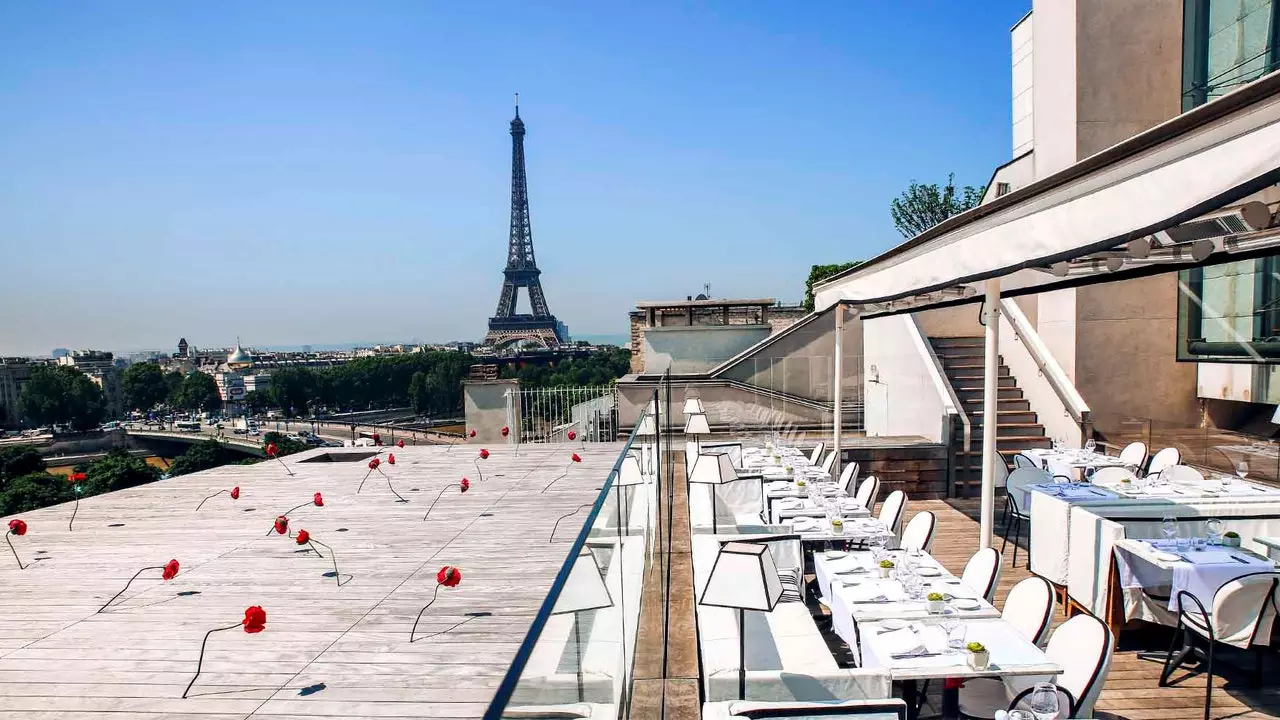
(1197,544)
(1183,544)
(1169,527)
(1213,531)
(956,632)
(1044,701)
(1090,445)
(1088,473)
(1242,469)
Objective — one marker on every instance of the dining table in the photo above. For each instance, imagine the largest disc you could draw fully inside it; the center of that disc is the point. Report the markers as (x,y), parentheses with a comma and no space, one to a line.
(1166,563)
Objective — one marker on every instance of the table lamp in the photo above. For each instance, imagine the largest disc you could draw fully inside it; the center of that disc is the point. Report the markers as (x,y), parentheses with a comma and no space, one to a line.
(695,425)
(743,578)
(583,590)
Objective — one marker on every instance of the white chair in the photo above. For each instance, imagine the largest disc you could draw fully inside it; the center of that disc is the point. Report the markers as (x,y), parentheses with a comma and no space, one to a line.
(816,455)
(1029,608)
(1112,475)
(1135,454)
(982,572)
(1243,613)
(1015,514)
(892,509)
(1181,474)
(829,462)
(1081,647)
(868,493)
(848,476)
(1022,461)
(1167,457)
(919,532)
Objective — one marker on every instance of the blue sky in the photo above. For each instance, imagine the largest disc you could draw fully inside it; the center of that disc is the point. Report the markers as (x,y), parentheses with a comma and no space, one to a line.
(326,172)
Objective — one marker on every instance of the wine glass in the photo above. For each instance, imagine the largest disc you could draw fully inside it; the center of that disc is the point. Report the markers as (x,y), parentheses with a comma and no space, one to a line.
(1242,469)
(1213,531)
(1090,445)
(1169,527)
(1044,701)
(950,624)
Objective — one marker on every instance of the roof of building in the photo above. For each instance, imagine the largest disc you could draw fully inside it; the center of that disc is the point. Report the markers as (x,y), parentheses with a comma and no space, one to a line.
(716,302)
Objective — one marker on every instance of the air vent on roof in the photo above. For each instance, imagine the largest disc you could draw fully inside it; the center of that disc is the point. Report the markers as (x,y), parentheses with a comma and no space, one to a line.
(1250,217)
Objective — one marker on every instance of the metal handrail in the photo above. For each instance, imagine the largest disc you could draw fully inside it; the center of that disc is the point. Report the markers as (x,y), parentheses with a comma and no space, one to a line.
(1049,367)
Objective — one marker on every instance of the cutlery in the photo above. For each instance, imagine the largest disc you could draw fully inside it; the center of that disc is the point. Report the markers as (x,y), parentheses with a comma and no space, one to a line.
(912,656)
(1239,559)
(1095,492)
(883,601)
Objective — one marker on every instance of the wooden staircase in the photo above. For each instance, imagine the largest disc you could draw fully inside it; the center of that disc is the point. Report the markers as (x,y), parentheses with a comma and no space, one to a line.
(1017,427)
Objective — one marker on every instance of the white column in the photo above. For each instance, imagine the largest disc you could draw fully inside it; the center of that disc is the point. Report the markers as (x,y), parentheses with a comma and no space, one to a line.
(990,405)
(837,394)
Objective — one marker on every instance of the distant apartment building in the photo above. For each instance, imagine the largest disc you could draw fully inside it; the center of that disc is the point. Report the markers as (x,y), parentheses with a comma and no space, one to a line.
(1199,345)
(14,373)
(100,366)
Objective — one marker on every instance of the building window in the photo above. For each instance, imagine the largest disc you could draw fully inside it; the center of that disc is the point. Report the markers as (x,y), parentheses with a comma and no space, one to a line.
(1225,44)
(1002,189)
(1230,312)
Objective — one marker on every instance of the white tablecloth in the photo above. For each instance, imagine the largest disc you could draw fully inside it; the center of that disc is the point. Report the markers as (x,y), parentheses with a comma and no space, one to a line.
(1200,573)
(1051,527)
(784,508)
(1011,654)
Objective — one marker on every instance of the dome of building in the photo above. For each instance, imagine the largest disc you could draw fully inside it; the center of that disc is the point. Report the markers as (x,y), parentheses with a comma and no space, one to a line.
(239,357)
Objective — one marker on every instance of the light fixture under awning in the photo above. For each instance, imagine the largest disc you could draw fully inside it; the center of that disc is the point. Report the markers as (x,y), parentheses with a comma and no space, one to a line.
(1177,171)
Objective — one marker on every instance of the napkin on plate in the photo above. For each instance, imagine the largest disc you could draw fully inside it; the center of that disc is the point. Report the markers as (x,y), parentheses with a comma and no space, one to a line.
(804,523)
(904,641)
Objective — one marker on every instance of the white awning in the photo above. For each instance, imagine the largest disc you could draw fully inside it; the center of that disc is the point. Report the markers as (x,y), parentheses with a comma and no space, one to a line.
(1198,162)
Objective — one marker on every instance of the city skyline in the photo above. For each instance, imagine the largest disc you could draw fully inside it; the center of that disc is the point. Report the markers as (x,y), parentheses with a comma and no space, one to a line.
(310,177)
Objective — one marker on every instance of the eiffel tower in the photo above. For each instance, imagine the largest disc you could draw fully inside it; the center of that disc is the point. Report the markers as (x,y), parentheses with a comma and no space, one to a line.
(506,326)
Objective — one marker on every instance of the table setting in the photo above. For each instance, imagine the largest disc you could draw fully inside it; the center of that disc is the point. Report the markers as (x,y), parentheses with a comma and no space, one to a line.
(789,507)
(813,529)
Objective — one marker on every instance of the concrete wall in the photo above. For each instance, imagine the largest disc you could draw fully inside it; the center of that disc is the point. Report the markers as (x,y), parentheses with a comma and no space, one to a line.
(906,400)
(802,363)
(958,321)
(485,404)
(1023,82)
(727,407)
(696,349)
(1053,75)
(1018,174)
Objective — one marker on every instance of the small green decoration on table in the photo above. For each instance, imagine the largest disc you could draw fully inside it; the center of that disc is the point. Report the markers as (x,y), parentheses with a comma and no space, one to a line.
(979,657)
(936,604)
(837,526)
(885,567)
(801,483)
(936,597)
(1231,539)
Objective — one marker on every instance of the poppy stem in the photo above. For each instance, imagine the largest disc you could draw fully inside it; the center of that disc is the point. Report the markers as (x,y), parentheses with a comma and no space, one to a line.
(332,556)
(433,502)
(476,462)
(366,477)
(562,517)
(562,475)
(424,609)
(286,467)
(286,513)
(200,662)
(74,510)
(126,585)
(393,490)
(453,627)
(202,502)
(15,552)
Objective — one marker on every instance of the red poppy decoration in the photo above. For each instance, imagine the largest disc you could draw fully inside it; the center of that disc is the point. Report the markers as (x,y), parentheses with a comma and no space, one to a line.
(303,537)
(235,493)
(318,500)
(391,459)
(505,431)
(170,570)
(576,458)
(400,444)
(282,524)
(17,527)
(471,434)
(255,619)
(484,454)
(449,576)
(272,450)
(377,439)
(572,435)
(77,477)
(374,463)
(465,484)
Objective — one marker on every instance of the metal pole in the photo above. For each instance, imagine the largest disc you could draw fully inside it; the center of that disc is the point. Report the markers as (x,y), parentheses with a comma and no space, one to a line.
(990,408)
(837,395)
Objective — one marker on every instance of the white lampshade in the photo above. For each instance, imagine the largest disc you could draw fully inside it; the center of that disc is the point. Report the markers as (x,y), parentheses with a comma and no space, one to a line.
(696,424)
(713,469)
(693,405)
(744,577)
(1275,417)
(629,474)
(647,426)
(585,588)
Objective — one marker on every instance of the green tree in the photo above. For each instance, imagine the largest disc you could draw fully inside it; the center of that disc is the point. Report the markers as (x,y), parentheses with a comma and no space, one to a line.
(427,393)
(285,445)
(173,385)
(198,392)
(818,273)
(201,456)
(144,386)
(257,401)
(601,368)
(19,460)
(292,390)
(920,207)
(34,491)
(60,394)
(117,471)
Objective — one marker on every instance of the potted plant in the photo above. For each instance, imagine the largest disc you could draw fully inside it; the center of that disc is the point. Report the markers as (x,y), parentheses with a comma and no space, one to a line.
(801,483)
(936,603)
(886,567)
(1231,539)
(837,526)
(979,656)
(789,470)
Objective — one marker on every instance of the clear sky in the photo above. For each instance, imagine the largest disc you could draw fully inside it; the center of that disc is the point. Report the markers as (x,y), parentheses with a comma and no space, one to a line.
(323,172)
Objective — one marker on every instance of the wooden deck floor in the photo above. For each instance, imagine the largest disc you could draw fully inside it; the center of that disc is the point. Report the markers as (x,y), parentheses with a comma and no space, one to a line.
(1131,690)
(327,651)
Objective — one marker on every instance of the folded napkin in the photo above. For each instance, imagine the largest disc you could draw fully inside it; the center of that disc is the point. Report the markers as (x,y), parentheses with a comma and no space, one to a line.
(1161,490)
(790,503)
(779,485)
(902,642)
(1212,557)
(873,592)
(805,523)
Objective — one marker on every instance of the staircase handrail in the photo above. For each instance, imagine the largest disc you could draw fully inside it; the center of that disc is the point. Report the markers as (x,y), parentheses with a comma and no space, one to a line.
(943,383)
(1075,405)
